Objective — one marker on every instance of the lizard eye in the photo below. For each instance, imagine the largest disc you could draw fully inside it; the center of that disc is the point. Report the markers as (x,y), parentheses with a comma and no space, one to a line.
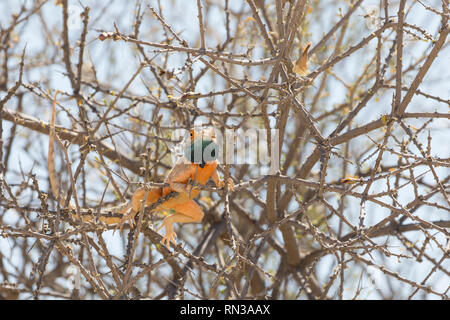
(192,133)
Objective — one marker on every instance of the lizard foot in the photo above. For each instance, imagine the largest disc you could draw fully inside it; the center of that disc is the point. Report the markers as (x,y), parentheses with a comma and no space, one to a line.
(168,238)
(170,235)
(230,184)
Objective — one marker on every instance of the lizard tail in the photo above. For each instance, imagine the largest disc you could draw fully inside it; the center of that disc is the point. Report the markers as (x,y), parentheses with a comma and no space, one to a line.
(54,185)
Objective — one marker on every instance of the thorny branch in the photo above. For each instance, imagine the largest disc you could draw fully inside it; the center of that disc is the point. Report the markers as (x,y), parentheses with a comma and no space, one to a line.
(362,190)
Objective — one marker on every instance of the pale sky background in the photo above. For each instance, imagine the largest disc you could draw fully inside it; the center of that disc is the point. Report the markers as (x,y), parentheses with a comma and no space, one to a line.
(183,17)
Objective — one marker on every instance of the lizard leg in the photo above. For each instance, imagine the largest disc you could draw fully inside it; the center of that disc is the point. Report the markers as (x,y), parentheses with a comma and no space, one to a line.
(129,214)
(220,183)
(187,212)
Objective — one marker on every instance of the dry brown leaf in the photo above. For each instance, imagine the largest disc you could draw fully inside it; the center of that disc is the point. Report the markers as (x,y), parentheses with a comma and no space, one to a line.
(301,65)
(351,179)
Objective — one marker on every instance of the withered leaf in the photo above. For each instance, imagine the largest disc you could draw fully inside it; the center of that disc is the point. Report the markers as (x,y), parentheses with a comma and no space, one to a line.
(351,179)
(301,65)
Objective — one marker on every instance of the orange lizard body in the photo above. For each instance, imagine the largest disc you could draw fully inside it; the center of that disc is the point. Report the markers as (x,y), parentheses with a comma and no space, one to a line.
(183,178)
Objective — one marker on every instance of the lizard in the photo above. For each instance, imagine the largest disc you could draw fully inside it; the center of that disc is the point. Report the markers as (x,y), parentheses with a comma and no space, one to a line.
(186,177)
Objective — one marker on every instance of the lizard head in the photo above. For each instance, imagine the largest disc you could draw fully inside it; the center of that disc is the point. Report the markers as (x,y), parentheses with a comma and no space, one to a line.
(202,133)
(202,148)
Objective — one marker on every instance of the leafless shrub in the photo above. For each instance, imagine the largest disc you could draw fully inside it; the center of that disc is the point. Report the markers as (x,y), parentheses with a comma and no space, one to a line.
(359,207)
